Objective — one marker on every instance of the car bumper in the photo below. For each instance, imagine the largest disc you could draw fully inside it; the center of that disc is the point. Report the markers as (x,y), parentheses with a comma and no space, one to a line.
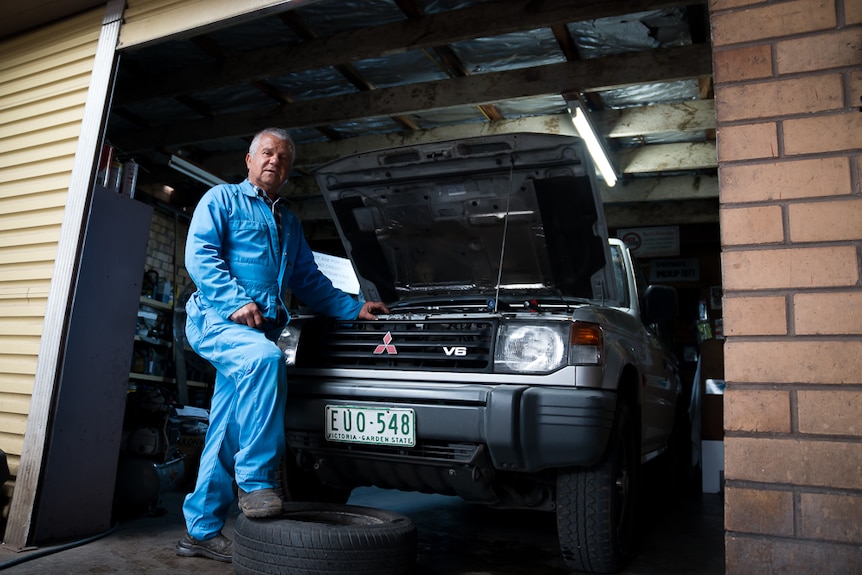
(519,428)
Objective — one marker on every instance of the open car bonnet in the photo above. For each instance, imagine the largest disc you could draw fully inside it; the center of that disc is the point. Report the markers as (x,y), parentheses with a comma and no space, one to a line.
(512,216)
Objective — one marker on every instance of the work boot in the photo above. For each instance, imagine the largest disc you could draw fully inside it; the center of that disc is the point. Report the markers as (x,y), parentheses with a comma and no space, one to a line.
(260,503)
(219,548)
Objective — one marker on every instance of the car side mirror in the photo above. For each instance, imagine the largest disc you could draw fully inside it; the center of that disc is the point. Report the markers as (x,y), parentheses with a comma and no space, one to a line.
(660,304)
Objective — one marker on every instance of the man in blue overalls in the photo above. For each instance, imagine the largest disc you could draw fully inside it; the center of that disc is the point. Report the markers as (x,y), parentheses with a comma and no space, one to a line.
(245,249)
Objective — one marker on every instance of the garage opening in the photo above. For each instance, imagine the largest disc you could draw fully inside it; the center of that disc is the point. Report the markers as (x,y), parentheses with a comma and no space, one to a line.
(377,75)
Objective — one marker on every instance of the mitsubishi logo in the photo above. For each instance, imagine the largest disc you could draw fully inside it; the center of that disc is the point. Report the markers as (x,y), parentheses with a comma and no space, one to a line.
(386,346)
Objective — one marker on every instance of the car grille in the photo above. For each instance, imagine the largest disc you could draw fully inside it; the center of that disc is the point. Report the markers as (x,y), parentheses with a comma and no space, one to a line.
(430,451)
(464,346)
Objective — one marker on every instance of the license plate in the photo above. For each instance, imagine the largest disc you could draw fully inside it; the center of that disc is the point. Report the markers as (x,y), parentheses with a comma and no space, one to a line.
(371,425)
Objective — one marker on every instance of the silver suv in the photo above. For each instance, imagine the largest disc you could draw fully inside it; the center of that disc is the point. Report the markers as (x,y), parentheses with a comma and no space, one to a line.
(521,365)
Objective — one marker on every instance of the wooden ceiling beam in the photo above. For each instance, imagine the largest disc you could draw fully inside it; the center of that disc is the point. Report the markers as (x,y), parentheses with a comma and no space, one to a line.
(668,157)
(412,34)
(652,158)
(312,155)
(691,116)
(585,75)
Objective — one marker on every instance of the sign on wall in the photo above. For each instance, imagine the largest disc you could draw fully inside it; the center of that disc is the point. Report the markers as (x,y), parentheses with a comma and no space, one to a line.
(655,242)
(676,270)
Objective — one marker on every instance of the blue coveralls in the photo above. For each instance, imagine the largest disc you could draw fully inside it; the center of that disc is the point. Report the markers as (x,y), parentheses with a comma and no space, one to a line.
(234,257)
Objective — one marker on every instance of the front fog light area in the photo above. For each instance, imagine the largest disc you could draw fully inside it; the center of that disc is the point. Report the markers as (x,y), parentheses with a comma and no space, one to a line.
(531,348)
(287,342)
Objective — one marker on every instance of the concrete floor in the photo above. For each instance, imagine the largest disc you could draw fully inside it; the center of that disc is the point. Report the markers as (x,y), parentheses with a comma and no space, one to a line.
(682,533)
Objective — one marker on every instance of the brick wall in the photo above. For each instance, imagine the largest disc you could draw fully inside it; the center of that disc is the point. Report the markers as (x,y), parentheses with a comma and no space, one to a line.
(165,248)
(788,89)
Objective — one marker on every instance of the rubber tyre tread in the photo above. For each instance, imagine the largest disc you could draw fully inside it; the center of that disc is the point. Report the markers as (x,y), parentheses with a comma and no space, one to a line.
(591,538)
(325,539)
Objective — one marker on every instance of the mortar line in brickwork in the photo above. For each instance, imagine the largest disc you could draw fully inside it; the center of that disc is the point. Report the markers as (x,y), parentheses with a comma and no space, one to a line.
(794,437)
(790,488)
(794,412)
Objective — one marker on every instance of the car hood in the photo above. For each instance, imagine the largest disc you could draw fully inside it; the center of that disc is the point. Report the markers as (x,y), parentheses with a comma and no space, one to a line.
(504,216)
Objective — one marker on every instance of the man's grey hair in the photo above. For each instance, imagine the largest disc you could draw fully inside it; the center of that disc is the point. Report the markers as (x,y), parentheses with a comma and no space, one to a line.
(279,133)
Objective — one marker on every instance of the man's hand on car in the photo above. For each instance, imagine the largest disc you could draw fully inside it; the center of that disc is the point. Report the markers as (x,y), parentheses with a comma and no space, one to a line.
(371,309)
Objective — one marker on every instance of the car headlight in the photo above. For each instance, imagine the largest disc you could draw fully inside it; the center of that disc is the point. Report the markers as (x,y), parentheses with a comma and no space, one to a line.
(531,348)
(288,342)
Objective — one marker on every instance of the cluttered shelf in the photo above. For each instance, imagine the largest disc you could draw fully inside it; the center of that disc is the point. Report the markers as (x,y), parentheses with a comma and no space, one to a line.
(167,405)
(162,379)
(152,341)
(158,304)
(155,358)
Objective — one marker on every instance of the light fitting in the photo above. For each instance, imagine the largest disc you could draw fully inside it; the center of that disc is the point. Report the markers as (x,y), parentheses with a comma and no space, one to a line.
(595,146)
(194,171)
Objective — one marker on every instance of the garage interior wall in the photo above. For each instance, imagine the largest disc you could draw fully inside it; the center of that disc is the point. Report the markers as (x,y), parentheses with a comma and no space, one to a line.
(788,83)
(45,77)
(166,248)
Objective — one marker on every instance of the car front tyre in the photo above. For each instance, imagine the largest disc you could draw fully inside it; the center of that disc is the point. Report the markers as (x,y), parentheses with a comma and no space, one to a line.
(596,505)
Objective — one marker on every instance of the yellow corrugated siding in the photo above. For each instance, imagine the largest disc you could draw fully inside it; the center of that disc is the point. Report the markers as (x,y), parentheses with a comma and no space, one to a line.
(139,10)
(19,344)
(9,443)
(25,166)
(149,20)
(44,77)
(20,384)
(25,204)
(14,238)
(45,43)
(40,218)
(57,129)
(34,185)
(49,165)
(11,426)
(28,253)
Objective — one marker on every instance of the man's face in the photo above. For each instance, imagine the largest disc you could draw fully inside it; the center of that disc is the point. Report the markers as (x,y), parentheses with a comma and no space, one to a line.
(270,166)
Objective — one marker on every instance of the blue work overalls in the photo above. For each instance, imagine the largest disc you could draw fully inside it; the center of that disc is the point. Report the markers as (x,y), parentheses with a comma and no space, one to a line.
(234,256)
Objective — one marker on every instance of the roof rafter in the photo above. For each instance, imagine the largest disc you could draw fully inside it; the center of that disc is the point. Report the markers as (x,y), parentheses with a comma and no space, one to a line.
(594,75)
(412,34)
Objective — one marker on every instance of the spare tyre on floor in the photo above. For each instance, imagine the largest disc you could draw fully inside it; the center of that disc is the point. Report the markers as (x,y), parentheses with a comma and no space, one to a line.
(325,539)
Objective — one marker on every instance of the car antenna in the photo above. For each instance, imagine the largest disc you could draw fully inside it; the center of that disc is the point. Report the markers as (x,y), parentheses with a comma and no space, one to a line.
(505,232)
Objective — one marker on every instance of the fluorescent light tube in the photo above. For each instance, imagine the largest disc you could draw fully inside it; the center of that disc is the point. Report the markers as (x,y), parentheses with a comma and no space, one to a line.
(194,171)
(594,146)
